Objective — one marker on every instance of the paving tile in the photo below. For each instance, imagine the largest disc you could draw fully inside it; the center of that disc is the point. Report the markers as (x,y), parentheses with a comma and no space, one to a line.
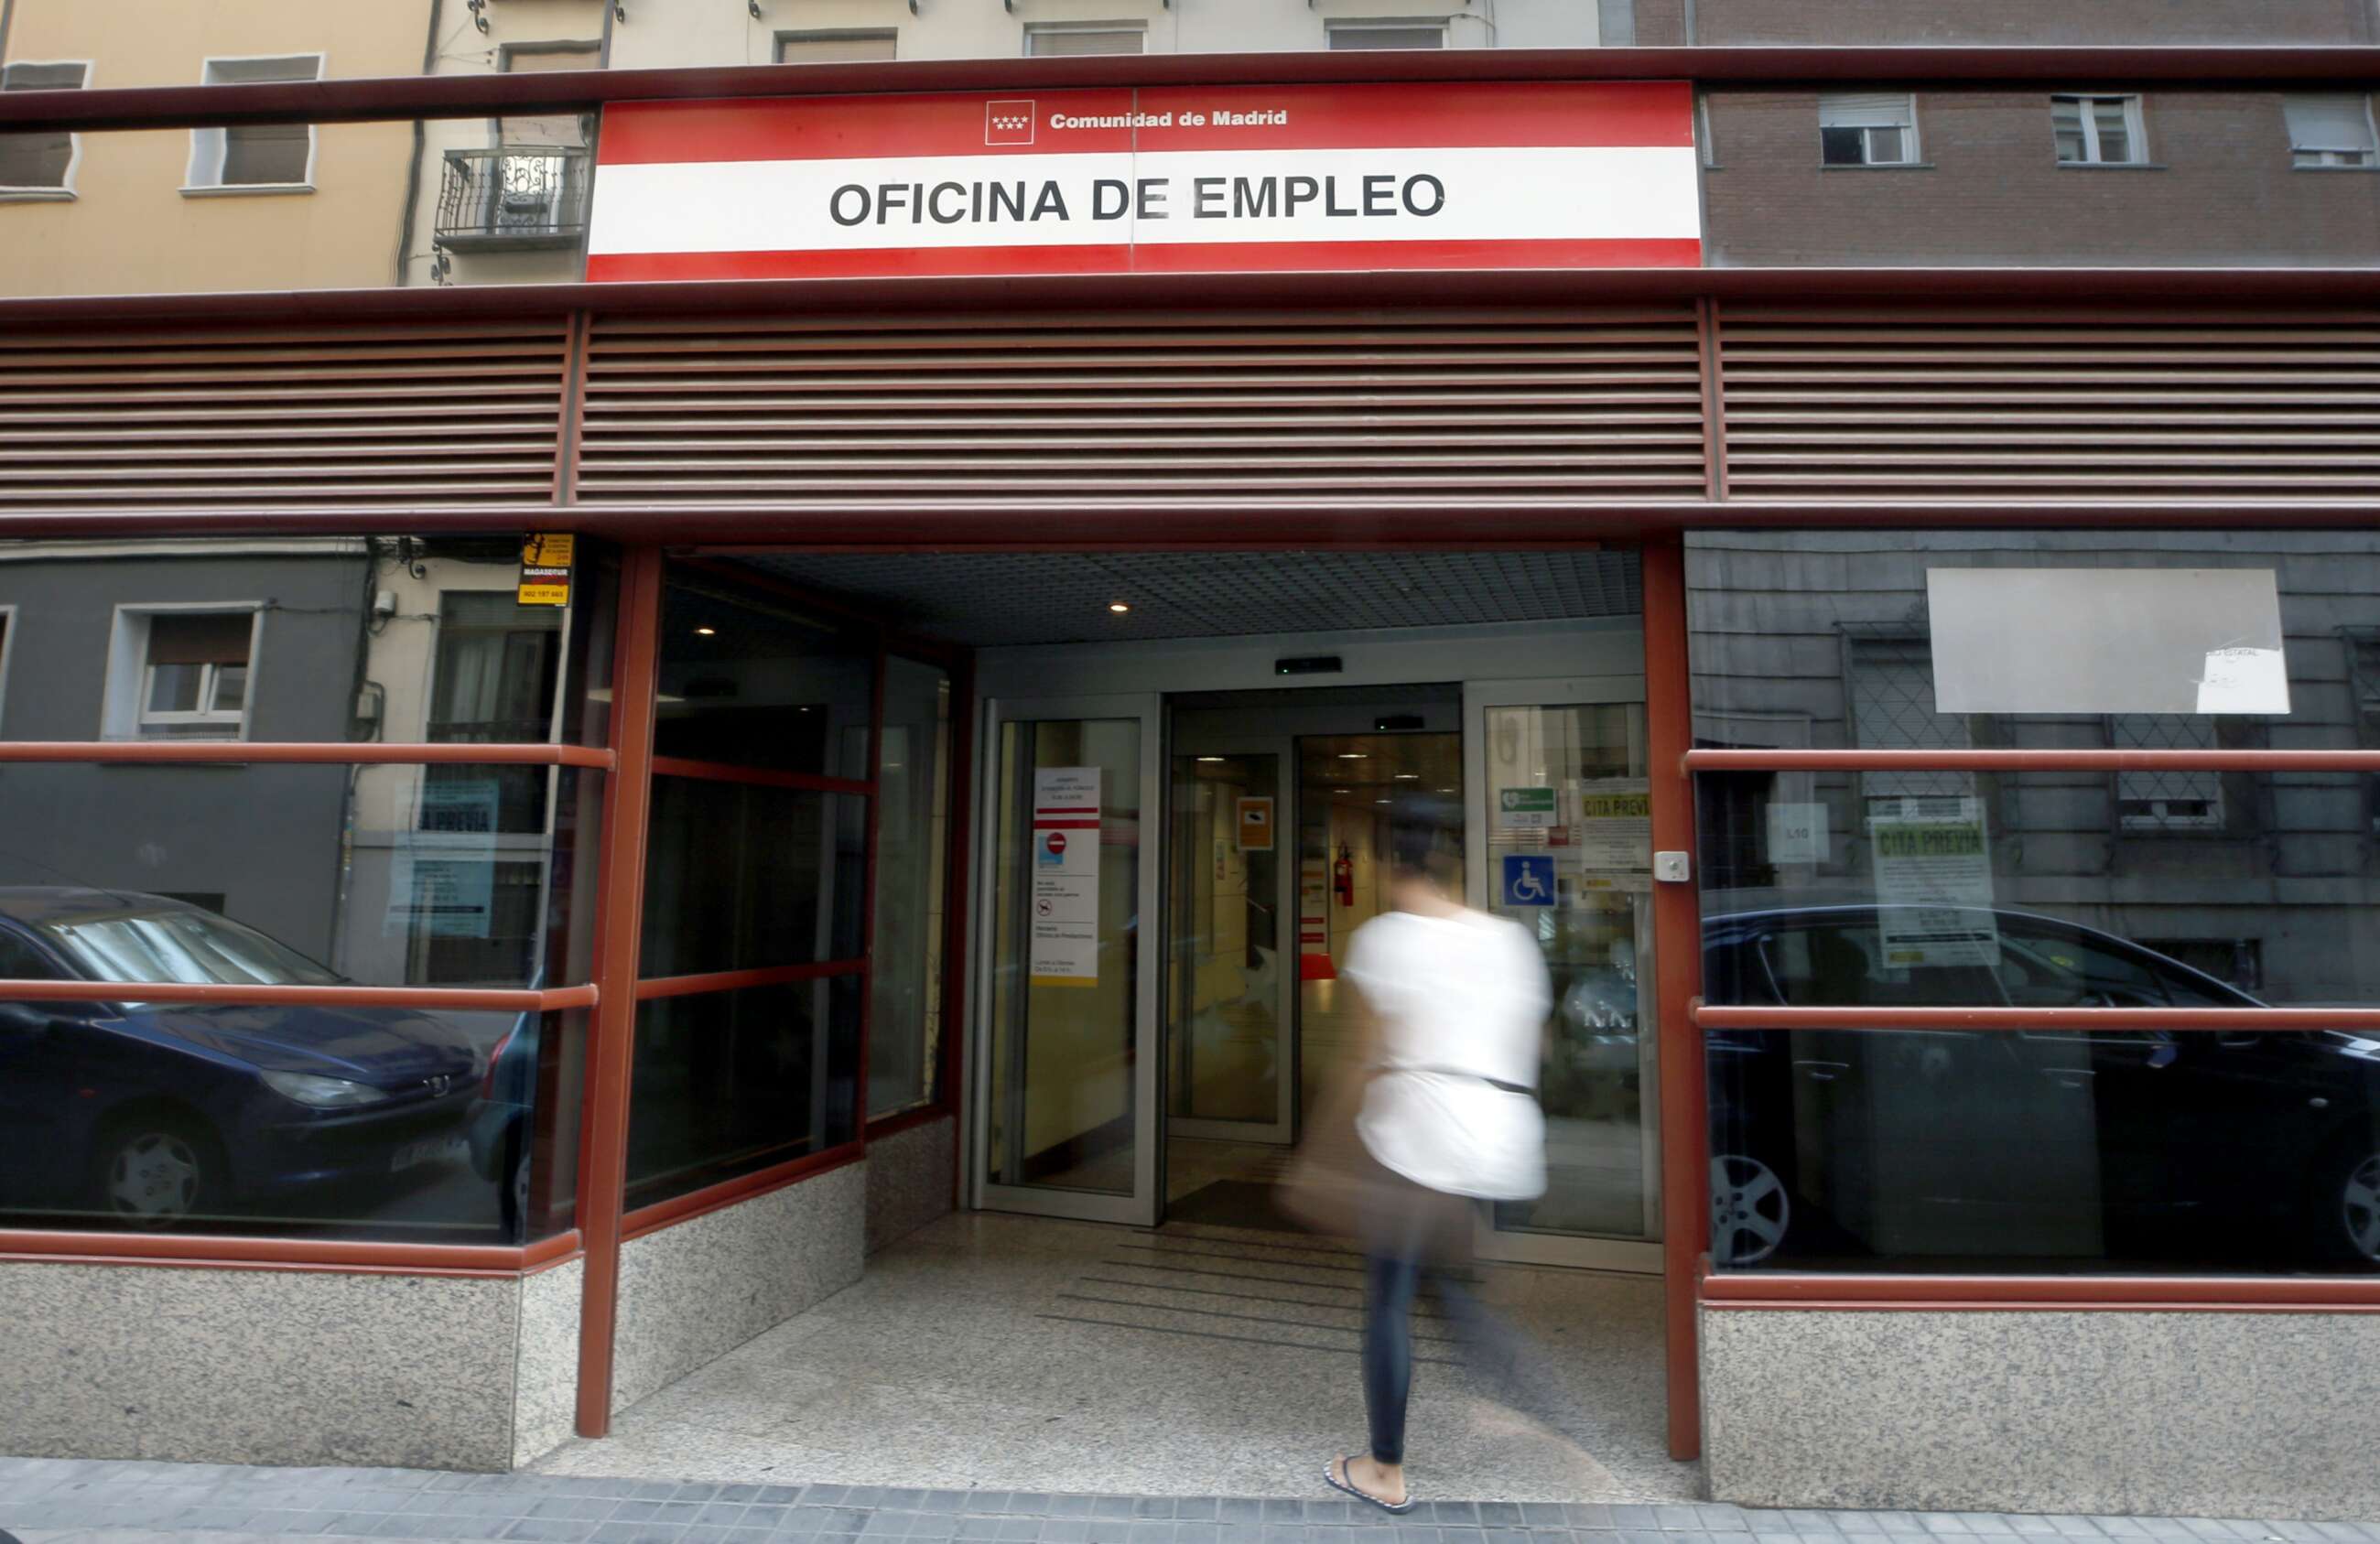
(546,1529)
(1073,1506)
(1066,1530)
(1153,1507)
(1196,1509)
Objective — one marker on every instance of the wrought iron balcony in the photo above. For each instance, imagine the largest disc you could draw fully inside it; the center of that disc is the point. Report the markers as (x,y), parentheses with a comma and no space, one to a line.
(514,197)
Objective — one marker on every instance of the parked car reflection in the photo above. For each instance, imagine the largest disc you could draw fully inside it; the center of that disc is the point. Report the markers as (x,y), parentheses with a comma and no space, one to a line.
(2151,1148)
(150,1113)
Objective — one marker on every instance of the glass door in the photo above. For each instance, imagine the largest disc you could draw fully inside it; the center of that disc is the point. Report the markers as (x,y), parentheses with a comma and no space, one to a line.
(1562,844)
(1067,1069)
(1232,947)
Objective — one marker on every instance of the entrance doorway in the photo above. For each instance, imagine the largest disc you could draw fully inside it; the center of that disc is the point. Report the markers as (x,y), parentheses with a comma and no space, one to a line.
(1171,877)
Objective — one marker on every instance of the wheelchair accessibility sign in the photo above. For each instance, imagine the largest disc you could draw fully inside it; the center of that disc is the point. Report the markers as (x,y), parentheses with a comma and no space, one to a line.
(1528,879)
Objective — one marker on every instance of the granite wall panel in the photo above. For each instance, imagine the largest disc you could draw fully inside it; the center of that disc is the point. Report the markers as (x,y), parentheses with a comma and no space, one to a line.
(909,1181)
(2204,1414)
(693,1292)
(195,1364)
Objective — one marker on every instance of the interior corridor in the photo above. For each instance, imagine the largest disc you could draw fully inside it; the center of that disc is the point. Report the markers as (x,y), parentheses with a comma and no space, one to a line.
(1029,1354)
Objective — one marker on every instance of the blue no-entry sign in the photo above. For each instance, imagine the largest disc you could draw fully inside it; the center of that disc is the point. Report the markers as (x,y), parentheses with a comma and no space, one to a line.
(1528,879)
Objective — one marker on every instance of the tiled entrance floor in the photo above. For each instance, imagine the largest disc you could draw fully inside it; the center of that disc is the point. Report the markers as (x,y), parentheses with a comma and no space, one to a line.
(1022,1354)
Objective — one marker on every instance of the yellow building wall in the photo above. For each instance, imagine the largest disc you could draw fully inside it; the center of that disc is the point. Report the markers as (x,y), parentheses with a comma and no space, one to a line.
(130,229)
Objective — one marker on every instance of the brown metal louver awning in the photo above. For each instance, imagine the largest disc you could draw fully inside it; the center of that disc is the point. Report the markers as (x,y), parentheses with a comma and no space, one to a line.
(256,417)
(2016,406)
(1361,408)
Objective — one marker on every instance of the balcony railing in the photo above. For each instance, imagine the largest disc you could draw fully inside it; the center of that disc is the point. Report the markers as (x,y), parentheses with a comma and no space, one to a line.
(515,197)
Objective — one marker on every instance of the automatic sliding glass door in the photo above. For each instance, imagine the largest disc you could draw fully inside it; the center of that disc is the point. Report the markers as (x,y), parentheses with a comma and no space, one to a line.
(1067,1071)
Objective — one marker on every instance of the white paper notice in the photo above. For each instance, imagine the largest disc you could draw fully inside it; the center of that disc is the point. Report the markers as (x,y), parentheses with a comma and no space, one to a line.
(1065,950)
(1932,883)
(2244,681)
(1797,833)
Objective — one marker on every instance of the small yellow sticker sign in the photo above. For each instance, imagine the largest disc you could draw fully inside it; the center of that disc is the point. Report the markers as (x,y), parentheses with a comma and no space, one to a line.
(545,568)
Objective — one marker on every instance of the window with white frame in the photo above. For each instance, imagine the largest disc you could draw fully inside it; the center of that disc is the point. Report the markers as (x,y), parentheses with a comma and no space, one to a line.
(1055,40)
(839,47)
(1384,35)
(1867,129)
(2331,131)
(41,161)
(180,672)
(276,155)
(2097,131)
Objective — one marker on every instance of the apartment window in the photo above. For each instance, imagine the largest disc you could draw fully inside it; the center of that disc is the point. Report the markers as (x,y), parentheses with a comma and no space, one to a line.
(1385,34)
(40,163)
(1867,129)
(1891,689)
(2165,800)
(834,48)
(2097,131)
(1096,37)
(180,675)
(274,155)
(2331,131)
(562,130)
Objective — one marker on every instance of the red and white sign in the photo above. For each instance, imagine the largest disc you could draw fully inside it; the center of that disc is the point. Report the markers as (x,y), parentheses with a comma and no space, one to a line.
(1171,179)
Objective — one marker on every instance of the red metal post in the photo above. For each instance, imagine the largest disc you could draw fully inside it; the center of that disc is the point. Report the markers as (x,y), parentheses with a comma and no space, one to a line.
(603,1142)
(1678,971)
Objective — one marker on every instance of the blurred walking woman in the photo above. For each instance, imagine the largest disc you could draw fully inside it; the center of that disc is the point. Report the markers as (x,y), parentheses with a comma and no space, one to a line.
(1455,1004)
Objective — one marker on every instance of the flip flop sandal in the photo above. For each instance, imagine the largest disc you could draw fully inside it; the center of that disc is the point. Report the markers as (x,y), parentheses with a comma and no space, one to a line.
(1330,1473)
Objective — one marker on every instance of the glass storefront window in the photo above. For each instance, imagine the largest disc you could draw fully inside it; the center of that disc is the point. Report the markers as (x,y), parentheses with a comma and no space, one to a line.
(912,846)
(740,877)
(439,1126)
(748,683)
(2140,888)
(729,1082)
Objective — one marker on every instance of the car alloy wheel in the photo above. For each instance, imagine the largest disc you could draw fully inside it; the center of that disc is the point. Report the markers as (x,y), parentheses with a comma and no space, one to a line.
(154,1174)
(1750,1209)
(2359,1207)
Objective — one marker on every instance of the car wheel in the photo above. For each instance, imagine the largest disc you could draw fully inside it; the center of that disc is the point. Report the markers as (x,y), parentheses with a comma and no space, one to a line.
(2347,1207)
(517,1197)
(1750,1209)
(155,1170)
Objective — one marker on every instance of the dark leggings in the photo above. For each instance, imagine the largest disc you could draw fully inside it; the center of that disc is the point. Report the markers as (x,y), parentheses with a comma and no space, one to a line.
(1406,1237)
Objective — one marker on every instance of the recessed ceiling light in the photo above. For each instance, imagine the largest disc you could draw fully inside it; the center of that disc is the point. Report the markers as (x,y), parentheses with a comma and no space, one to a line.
(1210,758)
(1354,756)
(706,632)
(1118,607)
(1379,801)
(1409,777)
(1446,790)
(1342,790)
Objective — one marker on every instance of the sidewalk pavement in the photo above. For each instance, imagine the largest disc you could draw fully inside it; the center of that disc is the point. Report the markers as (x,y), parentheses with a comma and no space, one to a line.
(48,1501)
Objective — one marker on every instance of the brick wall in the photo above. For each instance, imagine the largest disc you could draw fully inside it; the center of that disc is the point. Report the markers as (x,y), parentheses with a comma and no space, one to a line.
(2219,188)
(2027,21)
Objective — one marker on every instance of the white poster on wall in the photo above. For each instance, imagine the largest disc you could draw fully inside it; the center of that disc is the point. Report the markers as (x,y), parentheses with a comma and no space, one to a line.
(1933,863)
(1065,858)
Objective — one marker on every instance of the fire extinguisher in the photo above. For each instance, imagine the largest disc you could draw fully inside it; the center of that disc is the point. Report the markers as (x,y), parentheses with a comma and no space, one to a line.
(1342,876)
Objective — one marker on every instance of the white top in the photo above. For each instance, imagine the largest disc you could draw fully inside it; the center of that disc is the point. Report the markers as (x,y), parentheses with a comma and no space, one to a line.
(1461,1002)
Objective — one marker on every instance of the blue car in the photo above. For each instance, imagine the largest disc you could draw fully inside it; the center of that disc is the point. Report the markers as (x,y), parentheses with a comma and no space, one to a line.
(148,1114)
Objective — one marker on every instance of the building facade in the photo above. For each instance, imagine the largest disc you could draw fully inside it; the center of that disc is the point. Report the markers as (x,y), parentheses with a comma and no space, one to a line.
(537,704)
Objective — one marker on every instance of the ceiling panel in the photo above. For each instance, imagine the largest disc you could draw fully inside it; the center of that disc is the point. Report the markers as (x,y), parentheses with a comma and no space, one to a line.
(991,598)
